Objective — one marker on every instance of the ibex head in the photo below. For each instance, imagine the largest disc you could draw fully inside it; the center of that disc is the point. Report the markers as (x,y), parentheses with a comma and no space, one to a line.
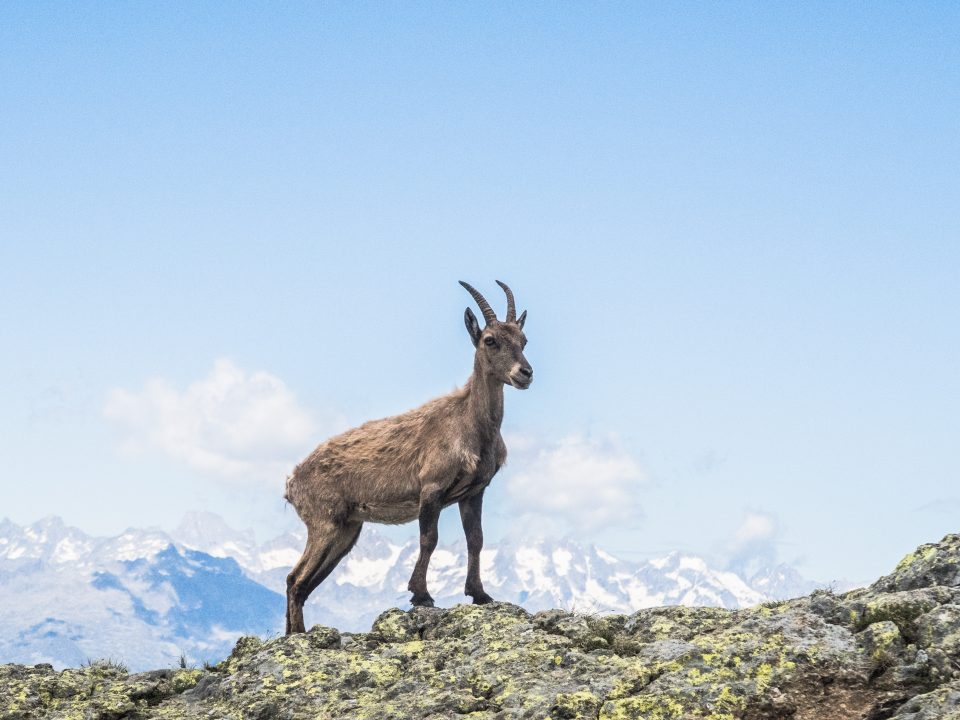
(500,344)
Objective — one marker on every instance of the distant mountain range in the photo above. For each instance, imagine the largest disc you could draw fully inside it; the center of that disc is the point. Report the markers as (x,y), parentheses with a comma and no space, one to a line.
(147,597)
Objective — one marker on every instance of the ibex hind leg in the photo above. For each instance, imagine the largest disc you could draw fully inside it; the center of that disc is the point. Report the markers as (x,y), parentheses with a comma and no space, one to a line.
(326,546)
(338,549)
(317,541)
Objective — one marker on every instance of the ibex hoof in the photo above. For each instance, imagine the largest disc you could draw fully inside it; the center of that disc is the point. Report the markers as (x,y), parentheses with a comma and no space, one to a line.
(421,601)
(482,599)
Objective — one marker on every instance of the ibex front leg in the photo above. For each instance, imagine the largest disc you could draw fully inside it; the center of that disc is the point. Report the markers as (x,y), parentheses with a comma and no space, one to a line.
(470,510)
(429,514)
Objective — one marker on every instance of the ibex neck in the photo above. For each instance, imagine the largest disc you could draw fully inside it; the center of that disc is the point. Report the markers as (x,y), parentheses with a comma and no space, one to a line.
(485,400)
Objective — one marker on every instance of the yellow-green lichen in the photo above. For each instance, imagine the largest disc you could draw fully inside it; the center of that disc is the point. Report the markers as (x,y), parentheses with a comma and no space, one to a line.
(580,704)
(924,552)
(648,707)
(183,680)
(727,701)
(763,677)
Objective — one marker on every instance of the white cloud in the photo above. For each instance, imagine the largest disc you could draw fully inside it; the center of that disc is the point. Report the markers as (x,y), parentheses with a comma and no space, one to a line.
(587,483)
(756,527)
(754,544)
(233,424)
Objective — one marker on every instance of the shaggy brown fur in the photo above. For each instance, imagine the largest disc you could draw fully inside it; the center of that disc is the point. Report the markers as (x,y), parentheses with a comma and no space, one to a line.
(411,466)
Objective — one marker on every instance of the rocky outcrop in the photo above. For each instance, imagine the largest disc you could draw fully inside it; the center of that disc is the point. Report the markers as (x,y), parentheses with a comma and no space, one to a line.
(888,651)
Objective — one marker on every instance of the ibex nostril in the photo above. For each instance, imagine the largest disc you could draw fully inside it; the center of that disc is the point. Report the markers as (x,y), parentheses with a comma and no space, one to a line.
(526,372)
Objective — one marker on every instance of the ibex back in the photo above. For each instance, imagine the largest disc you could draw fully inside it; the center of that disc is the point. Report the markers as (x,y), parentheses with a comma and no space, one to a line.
(412,466)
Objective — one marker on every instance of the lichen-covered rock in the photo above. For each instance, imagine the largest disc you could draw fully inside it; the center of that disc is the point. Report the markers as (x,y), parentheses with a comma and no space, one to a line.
(941,704)
(901,608)
(891,650)
(100,691)
(931,565)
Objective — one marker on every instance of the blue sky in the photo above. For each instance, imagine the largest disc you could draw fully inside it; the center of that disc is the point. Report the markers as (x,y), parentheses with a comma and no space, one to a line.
(228,231)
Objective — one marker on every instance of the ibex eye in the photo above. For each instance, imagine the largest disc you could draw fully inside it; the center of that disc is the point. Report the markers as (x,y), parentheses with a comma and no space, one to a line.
(489,341)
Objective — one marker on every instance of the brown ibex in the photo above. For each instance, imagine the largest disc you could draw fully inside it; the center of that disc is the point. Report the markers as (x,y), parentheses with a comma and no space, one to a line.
(412,466)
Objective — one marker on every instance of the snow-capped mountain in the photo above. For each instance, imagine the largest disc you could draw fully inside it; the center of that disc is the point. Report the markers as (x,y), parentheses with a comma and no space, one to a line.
(782,581)
(66,597)
(535,573)
(146,596)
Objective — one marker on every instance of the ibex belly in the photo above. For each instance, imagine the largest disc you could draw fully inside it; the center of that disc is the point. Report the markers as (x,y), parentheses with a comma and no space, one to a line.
(395,513)
(390,499)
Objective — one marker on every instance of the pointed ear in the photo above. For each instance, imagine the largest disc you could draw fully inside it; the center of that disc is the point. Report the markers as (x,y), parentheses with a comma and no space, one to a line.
(522,319)
(473,327)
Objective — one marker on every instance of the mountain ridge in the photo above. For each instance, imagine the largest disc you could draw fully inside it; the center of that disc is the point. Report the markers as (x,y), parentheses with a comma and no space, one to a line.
(194,590)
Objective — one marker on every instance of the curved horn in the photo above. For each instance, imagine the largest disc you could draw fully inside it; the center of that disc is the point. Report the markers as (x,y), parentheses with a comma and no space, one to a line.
(511,306)
(488,314)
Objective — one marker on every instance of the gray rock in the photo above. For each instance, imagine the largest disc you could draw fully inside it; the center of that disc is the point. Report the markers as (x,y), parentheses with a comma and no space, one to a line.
(928,566)
(940,704)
